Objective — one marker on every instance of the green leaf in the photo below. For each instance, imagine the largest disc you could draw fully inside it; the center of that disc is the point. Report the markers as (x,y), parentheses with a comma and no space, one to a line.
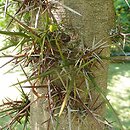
(43,75)
(60,51)
(63,104)
(32,32)
(14,34)
(106,100)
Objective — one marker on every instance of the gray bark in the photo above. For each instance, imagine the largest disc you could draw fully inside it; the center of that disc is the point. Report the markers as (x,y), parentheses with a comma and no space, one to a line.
(95,24)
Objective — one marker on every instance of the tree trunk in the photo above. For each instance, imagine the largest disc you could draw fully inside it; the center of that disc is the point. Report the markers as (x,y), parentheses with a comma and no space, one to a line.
(93,26)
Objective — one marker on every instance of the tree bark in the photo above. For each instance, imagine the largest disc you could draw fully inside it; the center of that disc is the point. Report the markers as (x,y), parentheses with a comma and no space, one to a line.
(94,25)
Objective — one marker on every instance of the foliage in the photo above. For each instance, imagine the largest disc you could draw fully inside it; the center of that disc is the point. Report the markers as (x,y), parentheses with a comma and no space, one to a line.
(123,15)
(121,33)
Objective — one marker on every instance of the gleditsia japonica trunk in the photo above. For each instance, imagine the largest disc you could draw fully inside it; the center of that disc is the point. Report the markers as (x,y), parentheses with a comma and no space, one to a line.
(94,25)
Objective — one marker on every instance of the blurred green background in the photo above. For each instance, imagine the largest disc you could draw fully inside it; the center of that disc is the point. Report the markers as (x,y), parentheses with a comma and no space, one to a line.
(119,93)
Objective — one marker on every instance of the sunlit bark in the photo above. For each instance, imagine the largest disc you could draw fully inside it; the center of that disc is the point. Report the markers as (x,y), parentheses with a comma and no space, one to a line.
(94,25)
